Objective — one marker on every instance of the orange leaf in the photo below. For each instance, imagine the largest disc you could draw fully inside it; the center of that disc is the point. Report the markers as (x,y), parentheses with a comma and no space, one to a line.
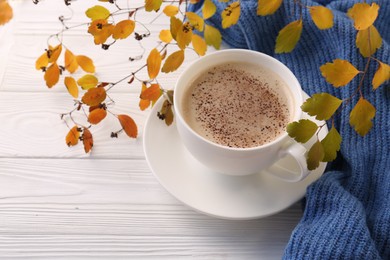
(71,85)
(128,125)
(165,36)
(42,61)
(94,96)
(87,140)
(85,63)
(381,75)
(199,45)
(184,35)
(152,93)
(71,64)
(151,5)
(144,103)
(72,138)
(52,75)
(101,30)
(153,63)
(54,52)
(97,115)
(123,29)
(171,10)
(173,61)
(363,15)
(339,73)
(5,12)
(87,81)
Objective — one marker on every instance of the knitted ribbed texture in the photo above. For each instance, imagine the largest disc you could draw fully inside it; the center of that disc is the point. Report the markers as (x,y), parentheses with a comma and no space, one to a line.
(347,211)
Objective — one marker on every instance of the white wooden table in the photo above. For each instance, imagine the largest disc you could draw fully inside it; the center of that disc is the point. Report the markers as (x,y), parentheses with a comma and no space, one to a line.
(57,202)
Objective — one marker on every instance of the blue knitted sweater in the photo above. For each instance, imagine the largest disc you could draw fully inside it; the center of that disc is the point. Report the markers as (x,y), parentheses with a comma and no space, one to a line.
(347,211)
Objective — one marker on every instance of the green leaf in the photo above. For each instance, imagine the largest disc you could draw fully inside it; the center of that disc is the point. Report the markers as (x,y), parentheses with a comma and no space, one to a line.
(361,116)
(331,144)
(302,130)
(315,156)
(321,105)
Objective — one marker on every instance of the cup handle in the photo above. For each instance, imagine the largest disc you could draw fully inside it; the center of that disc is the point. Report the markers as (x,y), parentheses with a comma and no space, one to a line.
(296,151)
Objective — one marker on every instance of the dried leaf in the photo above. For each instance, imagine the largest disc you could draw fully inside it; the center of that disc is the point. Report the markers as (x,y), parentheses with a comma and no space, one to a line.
(94,96)
(208,9)
(173,61)
(72,138)
(6,12)
(288,37)
(52,75)
(123,29)
(71,64)
(54,53)
(71,85)
(315,156)
(184,35)
(87,81)
(152,5)
(153,63)
(231,14)
(196,21)
(361,116)
(171,10)
(339,73)
(267,7)
(97,115)
(368,41)
(166,113)
(381,75)
(42,61)
(175,25)
(128,125)
(331,144)
(165,36)
(85,63)
(212,36)
(322,17)
(363,15)
(87,140)
(302,130)
(321,105)
(97,12)
(199,45)
(151,93)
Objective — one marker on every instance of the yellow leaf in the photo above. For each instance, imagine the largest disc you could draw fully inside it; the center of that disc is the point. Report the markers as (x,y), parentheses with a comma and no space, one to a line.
(361,116)
(363,15)
(368,41)
(97,115)
(184,35)
(322,17)
(212,36)
(231,14)
(54,52)
(339,73)
(153,63)
(72,138)
(94,96)
(223,1)
(42,61)
(267,7)
(171,10)
(6,12)
(87,81)
(165,36)
(175,25)
(195,20)
(71,64)
(152,5)
(123,29)
(71,85)
(87,140)
(100,30)
(128,125)
(381,75)
(52,75)
(208,9)
(173,61)
(85,63)
(98,12)
(199,45)
(288,37)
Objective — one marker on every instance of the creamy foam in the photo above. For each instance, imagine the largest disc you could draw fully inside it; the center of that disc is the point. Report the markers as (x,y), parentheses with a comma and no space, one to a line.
(237,105)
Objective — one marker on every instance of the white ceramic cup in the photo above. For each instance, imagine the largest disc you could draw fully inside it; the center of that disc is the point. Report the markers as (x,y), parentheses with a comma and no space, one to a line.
(240,161)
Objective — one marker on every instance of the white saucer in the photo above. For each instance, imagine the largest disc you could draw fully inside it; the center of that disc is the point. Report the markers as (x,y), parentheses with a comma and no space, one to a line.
(215,194)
